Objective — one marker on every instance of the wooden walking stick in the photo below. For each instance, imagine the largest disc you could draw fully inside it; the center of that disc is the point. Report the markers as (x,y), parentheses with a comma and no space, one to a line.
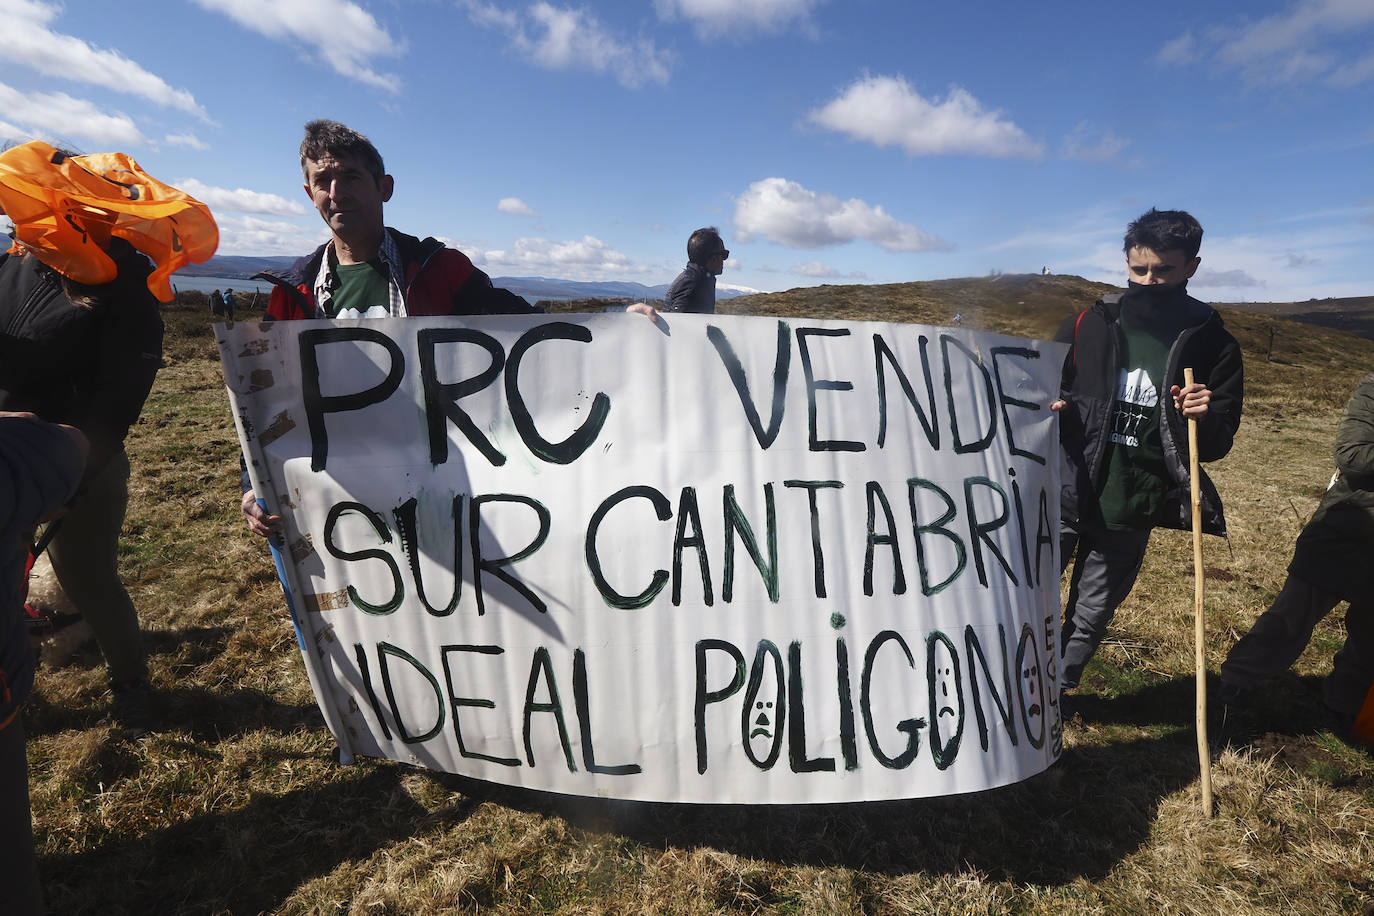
(1204,755)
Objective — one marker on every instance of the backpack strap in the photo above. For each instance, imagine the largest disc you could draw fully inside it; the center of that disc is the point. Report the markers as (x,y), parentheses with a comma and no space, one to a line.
(1075,336)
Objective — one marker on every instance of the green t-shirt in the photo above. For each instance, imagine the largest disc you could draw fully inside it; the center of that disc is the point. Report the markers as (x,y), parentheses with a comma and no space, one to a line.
(1137,478)
(364,291)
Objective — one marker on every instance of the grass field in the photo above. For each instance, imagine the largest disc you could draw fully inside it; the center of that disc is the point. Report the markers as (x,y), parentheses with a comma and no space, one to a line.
(237,806)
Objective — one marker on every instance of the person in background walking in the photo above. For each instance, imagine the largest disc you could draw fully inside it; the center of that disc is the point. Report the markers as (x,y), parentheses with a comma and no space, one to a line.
(694,290)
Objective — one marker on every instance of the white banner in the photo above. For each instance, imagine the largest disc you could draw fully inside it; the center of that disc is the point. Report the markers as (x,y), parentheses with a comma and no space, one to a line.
(719,559)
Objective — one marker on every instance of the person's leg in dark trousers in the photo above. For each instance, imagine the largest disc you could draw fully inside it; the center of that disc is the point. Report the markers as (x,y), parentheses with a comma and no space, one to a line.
(1277,637)
(20,893)
(1352,671)
(1105,567)
(85,557)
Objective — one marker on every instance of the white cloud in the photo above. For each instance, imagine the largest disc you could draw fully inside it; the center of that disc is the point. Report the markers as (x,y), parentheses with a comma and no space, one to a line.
(1181,50)
(1309,40)
(786,213)
(562,38)
(249,235)
(514,206)
(587,258)
(26,39)
(188,140)
(56,115)
(1231,279)
(713,18)
(887,111)
(1084,144)
(1293,260)
(820,271)
(1275,263)
(240,199)
(1353,74)
(344,35)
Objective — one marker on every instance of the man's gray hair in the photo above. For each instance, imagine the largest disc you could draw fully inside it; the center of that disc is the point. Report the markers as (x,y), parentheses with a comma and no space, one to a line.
(325,137)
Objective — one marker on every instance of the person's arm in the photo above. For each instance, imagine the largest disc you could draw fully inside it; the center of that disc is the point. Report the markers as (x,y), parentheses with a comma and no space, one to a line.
(1066,334)
(42,464)
(259,521)
(1216,403)
(477,295)
(1354,450)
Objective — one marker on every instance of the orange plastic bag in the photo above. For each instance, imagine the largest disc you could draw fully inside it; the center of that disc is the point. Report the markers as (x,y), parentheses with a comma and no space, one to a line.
(66,208)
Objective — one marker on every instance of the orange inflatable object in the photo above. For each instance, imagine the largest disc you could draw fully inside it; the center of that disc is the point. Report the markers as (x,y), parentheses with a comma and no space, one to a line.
(66,208)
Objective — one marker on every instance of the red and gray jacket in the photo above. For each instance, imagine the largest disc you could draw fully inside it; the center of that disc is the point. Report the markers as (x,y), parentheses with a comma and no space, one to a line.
(430,279)
(1089,383)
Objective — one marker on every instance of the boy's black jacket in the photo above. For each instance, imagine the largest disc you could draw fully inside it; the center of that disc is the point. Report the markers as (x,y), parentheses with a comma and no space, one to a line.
(1089,382)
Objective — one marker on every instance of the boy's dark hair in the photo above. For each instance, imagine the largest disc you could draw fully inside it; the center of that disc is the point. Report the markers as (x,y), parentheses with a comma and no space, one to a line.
(703,243)
(1165,230)
(326,137)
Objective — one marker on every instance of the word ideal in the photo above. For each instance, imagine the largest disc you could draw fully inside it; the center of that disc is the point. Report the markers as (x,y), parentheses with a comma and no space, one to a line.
(1012,698)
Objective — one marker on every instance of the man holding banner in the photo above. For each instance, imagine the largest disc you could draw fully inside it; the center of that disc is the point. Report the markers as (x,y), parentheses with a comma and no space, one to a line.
(828,575)
(368,270)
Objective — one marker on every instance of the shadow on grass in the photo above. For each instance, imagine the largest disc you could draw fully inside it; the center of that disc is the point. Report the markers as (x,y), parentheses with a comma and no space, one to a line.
(1079,819)
(243,861)
(1289,705)
(207,715)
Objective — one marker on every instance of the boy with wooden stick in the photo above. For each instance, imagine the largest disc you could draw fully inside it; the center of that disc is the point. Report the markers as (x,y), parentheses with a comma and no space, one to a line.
(1123,413)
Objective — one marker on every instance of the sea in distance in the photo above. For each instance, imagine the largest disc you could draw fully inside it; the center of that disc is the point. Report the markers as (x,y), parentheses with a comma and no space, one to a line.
(210,284)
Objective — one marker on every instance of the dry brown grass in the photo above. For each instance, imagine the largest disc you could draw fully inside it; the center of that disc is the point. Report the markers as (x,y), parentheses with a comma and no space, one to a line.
(236,805)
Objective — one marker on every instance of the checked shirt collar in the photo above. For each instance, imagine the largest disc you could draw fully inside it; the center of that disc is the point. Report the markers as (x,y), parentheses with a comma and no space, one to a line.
(327,280)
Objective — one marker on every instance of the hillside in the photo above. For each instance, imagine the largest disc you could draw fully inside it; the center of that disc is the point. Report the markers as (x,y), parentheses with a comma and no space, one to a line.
(237,804)
(1354,315)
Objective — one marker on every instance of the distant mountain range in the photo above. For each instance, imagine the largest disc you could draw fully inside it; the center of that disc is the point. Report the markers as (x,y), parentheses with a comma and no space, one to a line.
(238,267)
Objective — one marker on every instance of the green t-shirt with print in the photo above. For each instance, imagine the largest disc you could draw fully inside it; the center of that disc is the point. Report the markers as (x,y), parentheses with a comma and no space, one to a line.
(364,291)
(1137,478)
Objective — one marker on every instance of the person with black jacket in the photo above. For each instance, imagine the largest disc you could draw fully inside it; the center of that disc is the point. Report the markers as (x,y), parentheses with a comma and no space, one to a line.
(1330,565)
(40,464)
(694,290)
(1123,415)
(87,356)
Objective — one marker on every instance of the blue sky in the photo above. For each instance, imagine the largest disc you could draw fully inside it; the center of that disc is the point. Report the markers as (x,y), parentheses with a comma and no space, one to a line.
(832,141)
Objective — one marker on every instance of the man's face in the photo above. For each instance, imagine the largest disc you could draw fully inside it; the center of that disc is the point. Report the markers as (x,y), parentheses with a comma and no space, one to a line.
(1159,268)
(715,264)
(346,195)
